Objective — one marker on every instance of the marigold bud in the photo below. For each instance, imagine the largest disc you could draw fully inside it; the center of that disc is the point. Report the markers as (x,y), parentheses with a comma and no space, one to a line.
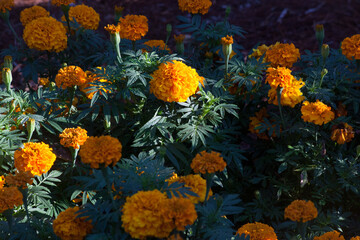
(8,62)
(325,51)
(319,33)
(30,127)
(7,77)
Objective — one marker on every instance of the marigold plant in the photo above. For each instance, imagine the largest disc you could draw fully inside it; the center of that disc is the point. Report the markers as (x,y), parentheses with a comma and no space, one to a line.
(157,44)
(29,14)
(70,76)
(145,215)
(133,27)
(9,198)
(62,2)
(174,82)
(227,40)
(290,94)
(6,5)
(73,137)
(86,16)
(334,235)
(342,133)
(196,184)
(257,231)
(195,6)
(182,212)
(256,121)
(350,47)
(45,34)
(103,150)
(205,162)
(112,29)
(67,226)
(259,51)
(179,38)
(301,211)
(36,158)
(91,86)
(316,112)
(20,179)
(282,54)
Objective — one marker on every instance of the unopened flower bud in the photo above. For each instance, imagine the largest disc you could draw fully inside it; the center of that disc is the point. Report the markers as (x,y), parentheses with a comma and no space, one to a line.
(325,50)
(7,77)
(168,28)
(180,43)
(8,62)
(227,11)
(319,33)
(30,127)
(324,72)
(118,12)
(226,43)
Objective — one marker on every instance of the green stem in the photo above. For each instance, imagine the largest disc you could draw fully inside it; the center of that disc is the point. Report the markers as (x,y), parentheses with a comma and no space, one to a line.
(65,10)
(25,195)
(74,153)
(133,45)
(108,186)
(278,92)
(301,226)
(227,58)
(8,214)
(209,179)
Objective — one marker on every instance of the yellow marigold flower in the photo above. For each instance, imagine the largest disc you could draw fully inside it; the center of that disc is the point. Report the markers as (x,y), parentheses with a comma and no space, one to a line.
(101,150)
(133,27)
(182,212)
(179,38)
(257,231)
(256,122)
(45,34)
(112,29)
(86,16)
(205,162)
(282,54)
(342,133)
(196,184)
(2,181)
(350,47)
(334,235)
(174,82)
(317,113)
(92,82)
(301,211)
(157,44)
(32,13)
(36,158)
(70,76)
(68,226)
(355,238)
(9,198)
(62,2)
(6,5)
(20,179)
(73,137)
(195,6)
(227,40)
(259,52)
(44,82)
(145,214)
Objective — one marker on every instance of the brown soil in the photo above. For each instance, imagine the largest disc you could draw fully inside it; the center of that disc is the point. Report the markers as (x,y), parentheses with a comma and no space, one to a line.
(265,21)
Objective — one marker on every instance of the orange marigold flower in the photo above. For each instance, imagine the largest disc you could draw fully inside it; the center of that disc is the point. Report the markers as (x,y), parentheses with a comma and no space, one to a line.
(195,6)
(68,226)
(62,2)
(196,184)
(227,40)
(256,122)
(86,16)
(282,54)
(20,179)
(301,211)
(2,181)
(205,162)
(94,84)
(317,113)
(342,133)
(36,158)
(101,150)
(157,44)
(175,236)
(257,231)
(280,76)
(350,47)
(32,13)
(355,238)
(133,27)
(182,212)
(6,5)
(334,235)
(112,29)
(174,82)
(45,34)
(179,38)
(258,52)
(341,110)
(9,198)
(145,214)
(44,82)
(73,137)
(70,76)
